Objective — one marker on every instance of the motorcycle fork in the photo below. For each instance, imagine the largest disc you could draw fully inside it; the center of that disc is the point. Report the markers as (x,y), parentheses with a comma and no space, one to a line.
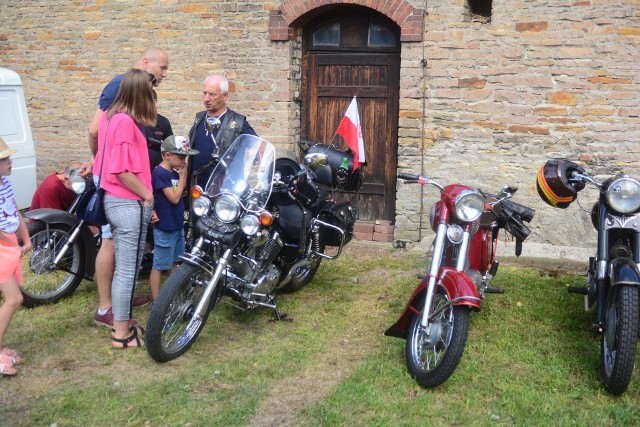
(222,264)
(436,259)
(438,252)
(70,241)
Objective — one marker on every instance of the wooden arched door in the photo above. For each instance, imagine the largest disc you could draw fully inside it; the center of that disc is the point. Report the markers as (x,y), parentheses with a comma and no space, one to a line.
(356,52)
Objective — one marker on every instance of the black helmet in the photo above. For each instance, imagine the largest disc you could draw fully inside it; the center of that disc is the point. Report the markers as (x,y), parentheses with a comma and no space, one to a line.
(553,183)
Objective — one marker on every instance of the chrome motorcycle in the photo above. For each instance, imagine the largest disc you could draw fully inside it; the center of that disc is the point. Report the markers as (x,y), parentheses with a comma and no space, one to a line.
(261,225)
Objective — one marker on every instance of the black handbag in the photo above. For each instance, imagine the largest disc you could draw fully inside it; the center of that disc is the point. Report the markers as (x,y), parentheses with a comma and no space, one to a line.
(94,212)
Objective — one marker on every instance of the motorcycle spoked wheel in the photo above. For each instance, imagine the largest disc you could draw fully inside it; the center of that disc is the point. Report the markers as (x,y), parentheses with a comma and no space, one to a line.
(620,337)
(43,283)
(432,357)
(172,327)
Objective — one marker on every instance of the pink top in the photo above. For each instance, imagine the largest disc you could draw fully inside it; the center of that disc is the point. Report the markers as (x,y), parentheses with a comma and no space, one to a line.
(125,151)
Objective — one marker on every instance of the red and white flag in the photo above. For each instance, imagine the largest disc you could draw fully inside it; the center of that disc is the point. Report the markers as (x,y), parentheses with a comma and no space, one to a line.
(351,131)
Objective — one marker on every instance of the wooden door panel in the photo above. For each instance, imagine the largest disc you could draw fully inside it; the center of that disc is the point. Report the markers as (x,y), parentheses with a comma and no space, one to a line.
(333,80)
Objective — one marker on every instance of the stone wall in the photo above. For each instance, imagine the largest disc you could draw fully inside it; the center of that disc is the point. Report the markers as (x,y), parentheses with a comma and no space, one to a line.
(543,79)
(481,103)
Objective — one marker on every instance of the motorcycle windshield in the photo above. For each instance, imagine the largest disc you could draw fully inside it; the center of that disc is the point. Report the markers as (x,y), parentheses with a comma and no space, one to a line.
(245,171)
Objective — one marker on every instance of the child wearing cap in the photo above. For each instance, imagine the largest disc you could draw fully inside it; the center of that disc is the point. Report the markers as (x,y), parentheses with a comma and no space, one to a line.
(169,180)
(11,221)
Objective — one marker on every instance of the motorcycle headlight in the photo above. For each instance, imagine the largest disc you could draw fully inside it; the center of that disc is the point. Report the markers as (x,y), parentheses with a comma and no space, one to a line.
(201,206)
(226,208)
(250,224)
(469,205)
(623,195)
(78,183)
(455,234)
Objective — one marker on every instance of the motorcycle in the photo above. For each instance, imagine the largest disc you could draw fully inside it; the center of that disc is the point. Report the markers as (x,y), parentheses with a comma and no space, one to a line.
(261,225)
(435,322)
(612,287)
(64,247)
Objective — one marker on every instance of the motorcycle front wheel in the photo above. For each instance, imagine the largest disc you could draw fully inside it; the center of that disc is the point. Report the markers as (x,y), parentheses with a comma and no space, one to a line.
(45,282)
(620,337)
(432,355)
(172,326)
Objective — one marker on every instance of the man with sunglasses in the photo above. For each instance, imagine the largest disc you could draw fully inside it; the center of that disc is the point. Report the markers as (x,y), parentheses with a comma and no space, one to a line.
(155,62)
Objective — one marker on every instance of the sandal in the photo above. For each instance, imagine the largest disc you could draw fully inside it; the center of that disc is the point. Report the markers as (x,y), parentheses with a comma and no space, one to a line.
(126,341)
(15,359)
(6,366)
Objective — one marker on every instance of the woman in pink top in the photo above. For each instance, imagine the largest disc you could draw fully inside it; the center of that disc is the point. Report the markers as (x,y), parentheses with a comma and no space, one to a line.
(122,162)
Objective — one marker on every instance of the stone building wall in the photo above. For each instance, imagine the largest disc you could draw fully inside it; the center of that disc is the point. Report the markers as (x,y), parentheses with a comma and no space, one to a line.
(543,79)
(482,103)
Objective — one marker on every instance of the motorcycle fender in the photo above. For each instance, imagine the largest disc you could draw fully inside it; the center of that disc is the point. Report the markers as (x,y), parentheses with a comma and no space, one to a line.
(399,329)
(56,216)
(460,288)
(456,284)
(623,271)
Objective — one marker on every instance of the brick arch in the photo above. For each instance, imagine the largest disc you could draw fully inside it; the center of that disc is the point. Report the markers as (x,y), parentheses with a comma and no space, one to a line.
(284,20)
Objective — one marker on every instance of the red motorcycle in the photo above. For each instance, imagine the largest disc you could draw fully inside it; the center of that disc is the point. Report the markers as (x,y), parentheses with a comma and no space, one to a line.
(467,223)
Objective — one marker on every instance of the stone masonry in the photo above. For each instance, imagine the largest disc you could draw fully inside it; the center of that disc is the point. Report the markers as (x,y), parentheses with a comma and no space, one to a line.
(483,103)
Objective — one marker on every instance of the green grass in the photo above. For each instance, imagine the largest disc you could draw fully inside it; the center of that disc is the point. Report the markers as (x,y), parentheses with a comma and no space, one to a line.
(531,359)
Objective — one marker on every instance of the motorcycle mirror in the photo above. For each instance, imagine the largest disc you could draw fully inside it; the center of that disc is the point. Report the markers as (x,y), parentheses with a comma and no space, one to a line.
(316,160)
(212,123)
(507,191)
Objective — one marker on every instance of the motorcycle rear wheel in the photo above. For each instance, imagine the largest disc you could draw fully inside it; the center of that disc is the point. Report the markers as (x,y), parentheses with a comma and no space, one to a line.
(620,338)
(44,283)
(172,327)
(432,358)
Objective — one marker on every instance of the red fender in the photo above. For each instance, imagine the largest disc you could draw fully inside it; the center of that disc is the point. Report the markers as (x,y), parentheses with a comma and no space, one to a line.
(456,284)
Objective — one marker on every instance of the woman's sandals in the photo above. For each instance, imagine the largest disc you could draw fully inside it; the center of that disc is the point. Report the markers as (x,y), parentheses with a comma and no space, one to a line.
(125,342)
(6,365)
(15,359)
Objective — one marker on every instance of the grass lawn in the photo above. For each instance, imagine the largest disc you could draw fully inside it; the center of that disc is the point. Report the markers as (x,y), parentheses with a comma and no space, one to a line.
(531,359)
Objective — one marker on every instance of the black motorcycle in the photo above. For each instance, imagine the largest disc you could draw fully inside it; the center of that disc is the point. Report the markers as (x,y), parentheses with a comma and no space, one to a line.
(613,279)
(64,247)
(261,225)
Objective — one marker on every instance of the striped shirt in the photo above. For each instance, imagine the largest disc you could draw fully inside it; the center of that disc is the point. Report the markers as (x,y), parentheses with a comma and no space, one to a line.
(9,219)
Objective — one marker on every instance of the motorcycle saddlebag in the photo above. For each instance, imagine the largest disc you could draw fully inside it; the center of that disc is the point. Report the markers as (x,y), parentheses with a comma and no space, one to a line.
(343,216)
(328,175)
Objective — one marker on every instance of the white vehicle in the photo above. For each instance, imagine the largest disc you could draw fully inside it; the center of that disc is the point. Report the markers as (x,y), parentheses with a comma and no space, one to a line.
(16,132)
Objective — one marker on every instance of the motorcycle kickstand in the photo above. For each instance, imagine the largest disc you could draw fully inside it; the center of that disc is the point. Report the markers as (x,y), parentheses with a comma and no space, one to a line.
(277,315)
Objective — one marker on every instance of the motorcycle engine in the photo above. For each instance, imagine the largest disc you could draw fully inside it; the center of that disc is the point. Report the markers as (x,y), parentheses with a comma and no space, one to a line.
(264,284)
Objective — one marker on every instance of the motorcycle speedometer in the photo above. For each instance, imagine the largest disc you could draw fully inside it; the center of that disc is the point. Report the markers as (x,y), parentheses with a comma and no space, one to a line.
(469,205)
(623,195)
(201,206)
(226,208)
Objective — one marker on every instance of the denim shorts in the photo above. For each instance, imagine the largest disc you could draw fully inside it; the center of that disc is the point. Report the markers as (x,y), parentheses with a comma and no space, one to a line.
(167,248)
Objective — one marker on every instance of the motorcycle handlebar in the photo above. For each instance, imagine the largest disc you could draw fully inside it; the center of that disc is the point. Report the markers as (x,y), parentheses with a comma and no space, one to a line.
(408,176)
(153,143)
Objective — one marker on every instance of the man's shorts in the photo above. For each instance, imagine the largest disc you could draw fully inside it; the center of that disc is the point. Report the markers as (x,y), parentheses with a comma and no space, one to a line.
(167,248)
(106,229)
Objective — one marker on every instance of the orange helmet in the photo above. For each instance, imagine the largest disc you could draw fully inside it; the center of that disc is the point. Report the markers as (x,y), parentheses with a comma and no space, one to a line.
(553,183)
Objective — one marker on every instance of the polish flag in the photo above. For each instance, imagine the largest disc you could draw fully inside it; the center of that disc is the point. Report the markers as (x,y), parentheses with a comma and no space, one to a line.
(351,131)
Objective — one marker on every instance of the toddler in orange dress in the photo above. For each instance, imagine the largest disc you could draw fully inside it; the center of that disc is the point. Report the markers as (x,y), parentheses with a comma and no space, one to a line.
(11,222)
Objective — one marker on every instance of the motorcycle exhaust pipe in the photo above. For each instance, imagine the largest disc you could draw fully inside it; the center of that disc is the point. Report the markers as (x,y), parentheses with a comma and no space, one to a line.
(300,264)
